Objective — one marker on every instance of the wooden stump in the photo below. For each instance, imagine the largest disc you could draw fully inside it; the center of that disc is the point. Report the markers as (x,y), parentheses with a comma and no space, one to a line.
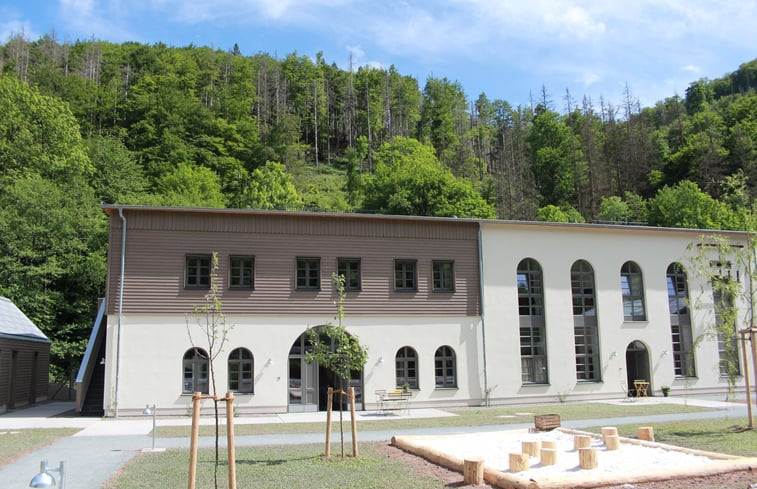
(549,444)
(531,447)
(548,456)
(612,442)
(473,471)
(645,433)
(587,458)
(609,431)
(581,441)
(518,462)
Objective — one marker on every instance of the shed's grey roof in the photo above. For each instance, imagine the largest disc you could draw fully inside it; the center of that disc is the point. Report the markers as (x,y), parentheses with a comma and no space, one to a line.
(14,323)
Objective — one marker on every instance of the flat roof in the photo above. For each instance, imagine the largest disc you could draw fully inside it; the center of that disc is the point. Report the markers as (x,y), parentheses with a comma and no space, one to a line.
(113,208)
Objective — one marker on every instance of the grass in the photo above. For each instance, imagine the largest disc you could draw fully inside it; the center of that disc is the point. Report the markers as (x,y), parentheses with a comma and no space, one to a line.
(718,435)
(303,467)
(464,417)
(16,444)
(293,467)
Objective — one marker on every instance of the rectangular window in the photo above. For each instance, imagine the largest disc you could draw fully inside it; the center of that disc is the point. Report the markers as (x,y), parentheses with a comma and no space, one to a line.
(308,273)
(197,272)
(241,272)
(405,276)
(444,276)
(350,268)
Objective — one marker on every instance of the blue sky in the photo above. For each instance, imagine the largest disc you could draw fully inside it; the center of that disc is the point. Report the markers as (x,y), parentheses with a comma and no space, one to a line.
(505,48)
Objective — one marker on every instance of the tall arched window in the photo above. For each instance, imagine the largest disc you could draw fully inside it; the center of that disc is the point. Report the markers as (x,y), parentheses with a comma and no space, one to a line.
(585,321)
(680,321)
(445,367)
(195,371)
(632,287)
(240,371)
(533,346)
(406,365)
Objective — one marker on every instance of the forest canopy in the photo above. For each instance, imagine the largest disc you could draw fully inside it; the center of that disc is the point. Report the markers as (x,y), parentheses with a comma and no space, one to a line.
(92,121)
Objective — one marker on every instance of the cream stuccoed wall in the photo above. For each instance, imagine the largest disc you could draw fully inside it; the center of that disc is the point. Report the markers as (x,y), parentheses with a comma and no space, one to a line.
(152,348)
(556,248)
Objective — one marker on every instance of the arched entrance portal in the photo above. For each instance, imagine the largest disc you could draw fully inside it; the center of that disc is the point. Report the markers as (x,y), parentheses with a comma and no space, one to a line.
(637,364)
(308,382)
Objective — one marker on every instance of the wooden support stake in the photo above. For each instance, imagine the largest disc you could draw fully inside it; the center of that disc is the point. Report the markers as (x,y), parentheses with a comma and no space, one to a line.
(548,456)
(329,404)
(473,471)
(612,442)
(518,462)
(531,447)
(645,433)
(549,444)
(608,431)
(587,458)
(230,440)
(581,441)
(354,422)
(193,443)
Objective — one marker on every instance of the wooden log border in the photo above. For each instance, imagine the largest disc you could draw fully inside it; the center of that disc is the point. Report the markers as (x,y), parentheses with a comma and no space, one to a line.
(722,463)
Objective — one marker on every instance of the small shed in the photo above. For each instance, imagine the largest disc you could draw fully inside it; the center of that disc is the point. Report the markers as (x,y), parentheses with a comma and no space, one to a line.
(24,359)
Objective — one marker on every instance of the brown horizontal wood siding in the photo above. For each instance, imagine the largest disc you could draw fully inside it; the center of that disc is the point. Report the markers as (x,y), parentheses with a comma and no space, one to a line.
(24,369)
(158,242)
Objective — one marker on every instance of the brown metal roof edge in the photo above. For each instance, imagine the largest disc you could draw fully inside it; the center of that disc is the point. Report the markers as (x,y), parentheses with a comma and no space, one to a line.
(108,208)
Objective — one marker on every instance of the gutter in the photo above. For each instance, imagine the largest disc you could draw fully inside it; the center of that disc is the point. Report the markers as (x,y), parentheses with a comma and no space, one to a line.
(483,316)
(120,302)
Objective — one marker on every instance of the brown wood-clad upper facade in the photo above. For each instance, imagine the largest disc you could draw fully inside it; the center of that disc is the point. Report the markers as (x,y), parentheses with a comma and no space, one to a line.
(159,240)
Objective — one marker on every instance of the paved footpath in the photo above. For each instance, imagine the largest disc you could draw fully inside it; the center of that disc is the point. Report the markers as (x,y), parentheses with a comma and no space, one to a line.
(103,446)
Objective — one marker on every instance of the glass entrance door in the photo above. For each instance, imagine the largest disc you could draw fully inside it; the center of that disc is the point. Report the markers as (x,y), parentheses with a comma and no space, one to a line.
(303,385)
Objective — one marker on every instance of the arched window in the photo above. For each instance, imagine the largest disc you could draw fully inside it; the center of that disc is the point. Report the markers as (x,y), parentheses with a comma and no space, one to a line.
(680,321)
(195,371)
(445,367)
(533,346)
(585,321)
(406,365)
(632,287)
(240,371)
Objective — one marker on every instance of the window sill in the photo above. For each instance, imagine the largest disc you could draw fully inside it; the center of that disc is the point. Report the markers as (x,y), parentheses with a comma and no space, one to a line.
(437,388)
(535,384)
(638,322)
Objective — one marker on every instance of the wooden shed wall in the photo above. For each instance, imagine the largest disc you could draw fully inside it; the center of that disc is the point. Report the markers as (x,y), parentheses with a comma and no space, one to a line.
(30,382)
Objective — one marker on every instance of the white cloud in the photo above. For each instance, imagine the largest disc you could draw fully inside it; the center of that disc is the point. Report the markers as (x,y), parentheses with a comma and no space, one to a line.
(692,69)
(14,28)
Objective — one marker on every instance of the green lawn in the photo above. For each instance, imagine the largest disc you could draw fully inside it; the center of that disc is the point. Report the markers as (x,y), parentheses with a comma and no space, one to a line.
(16,444)
(464,417)
(291,467)
(303,467)
(719,435)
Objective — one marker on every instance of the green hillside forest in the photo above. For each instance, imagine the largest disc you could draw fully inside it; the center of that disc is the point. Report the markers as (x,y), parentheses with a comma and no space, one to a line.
(91,121)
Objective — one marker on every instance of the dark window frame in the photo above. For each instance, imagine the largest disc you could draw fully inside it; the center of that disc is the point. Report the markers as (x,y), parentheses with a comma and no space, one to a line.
(233,277)
(441,281)
(632,292)
(237,364)
(195,371)
(680,321)
(197,273)
(446,360)
(585,326)
(405,275)
(405,364)
(308,273)
(350,267)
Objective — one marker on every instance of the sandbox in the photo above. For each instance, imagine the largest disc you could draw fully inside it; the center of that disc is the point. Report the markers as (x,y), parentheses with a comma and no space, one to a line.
(635,461)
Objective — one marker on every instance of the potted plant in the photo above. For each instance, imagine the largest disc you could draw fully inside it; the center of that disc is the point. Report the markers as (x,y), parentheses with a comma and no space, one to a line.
(406,387)
(665,390)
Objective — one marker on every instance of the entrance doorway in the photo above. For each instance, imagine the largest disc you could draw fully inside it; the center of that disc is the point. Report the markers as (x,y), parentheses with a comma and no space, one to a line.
(309,382)
(637,365)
